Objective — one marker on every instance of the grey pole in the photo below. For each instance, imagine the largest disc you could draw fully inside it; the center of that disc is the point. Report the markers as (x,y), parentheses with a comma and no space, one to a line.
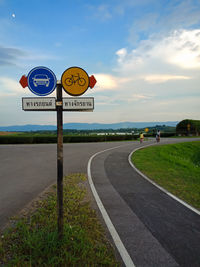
(59,160)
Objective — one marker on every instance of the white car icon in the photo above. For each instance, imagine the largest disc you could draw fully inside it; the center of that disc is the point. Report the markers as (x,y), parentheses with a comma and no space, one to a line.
(41,79)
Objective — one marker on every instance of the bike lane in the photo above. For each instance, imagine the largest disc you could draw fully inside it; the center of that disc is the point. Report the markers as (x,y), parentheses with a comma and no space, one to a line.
(155,229)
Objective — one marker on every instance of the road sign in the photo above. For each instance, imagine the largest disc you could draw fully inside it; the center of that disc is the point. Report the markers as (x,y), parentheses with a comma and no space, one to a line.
(23,81)
(78,103)
(92,81)
(41,81)
(39,103)
(75,81)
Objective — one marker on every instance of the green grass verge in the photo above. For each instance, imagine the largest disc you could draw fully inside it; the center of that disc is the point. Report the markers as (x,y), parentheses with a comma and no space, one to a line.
(33,240)
(175,167)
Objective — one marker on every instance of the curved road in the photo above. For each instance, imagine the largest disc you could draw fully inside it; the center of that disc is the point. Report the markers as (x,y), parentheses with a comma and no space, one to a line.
(27,170)
(149,223)
(155,229)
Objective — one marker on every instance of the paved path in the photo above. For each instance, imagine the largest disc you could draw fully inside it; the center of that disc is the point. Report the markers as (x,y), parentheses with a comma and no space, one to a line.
(155,229)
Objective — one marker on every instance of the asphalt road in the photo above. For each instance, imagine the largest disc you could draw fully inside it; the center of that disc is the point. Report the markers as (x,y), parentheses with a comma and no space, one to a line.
(27,170)
(155,229)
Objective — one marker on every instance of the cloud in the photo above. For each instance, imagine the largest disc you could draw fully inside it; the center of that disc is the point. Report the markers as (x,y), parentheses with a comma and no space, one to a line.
(164,78)
(147,75)
(185,49)
(116,8)
(121,54)
(156,80)
(181,48)
(143,27)
(102,12)
(109,82)
(184,14)
(10,87)
(12,56)
(9,55)
(105,81)
(103,100)
(119,8)
(160,19)
(138,97)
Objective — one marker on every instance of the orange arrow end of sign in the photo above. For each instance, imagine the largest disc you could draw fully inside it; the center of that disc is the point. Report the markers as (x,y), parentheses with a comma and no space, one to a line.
(23,81)
(92,81)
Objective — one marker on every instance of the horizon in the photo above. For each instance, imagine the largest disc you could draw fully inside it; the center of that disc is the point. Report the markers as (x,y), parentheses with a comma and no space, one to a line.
(143,54)
(87,126)
(94,123)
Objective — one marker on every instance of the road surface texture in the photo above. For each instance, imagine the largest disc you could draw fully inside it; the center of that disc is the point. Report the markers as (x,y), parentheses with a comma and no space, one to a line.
(155,229)
(27,170)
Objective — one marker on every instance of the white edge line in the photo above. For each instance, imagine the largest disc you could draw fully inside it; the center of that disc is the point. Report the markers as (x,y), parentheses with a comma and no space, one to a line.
(155,184)
(118,243)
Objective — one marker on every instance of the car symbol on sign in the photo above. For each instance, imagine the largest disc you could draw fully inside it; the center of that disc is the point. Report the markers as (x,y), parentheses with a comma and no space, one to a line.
(41,79)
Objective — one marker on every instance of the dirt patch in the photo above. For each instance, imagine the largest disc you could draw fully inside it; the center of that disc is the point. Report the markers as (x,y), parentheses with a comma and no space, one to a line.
(7,133)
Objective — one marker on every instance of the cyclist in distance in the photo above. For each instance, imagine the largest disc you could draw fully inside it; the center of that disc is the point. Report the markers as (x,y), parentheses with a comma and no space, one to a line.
(158,136)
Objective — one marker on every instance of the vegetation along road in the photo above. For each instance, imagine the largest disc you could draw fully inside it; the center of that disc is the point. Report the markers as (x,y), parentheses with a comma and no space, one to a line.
(136,208)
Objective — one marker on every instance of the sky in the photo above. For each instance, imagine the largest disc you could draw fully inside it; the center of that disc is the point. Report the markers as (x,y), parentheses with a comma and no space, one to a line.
(144,54)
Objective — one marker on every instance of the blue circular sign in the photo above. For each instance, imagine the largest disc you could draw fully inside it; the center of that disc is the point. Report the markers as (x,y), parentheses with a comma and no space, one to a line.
(41,81)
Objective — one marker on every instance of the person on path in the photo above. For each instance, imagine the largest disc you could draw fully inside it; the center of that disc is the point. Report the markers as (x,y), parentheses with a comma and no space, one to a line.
(158,136)
(141,137)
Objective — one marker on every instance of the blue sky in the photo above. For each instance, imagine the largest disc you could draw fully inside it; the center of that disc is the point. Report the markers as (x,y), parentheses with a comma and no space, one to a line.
(144,54)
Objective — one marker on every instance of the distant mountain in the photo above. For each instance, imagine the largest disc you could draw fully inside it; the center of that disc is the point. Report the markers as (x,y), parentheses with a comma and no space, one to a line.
(114,126)
(27,128)
(86,126)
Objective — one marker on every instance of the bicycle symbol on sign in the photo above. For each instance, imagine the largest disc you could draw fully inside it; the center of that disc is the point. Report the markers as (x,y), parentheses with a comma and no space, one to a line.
(75,78)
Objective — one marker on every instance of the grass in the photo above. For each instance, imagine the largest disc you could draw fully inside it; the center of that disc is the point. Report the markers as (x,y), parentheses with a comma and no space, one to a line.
(33,240)
(175,167)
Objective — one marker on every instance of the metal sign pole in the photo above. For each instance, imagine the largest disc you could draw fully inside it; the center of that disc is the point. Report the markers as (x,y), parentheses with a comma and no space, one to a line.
(59,160)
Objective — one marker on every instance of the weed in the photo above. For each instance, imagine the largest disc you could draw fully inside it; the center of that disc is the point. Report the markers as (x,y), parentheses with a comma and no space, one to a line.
(33,241)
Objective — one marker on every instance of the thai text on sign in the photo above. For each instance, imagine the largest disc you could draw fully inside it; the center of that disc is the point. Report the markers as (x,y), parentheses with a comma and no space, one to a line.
(78,104)
(39,103)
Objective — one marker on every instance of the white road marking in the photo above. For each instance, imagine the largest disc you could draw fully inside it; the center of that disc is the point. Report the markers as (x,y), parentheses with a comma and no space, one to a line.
(120,246)
(155,184)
